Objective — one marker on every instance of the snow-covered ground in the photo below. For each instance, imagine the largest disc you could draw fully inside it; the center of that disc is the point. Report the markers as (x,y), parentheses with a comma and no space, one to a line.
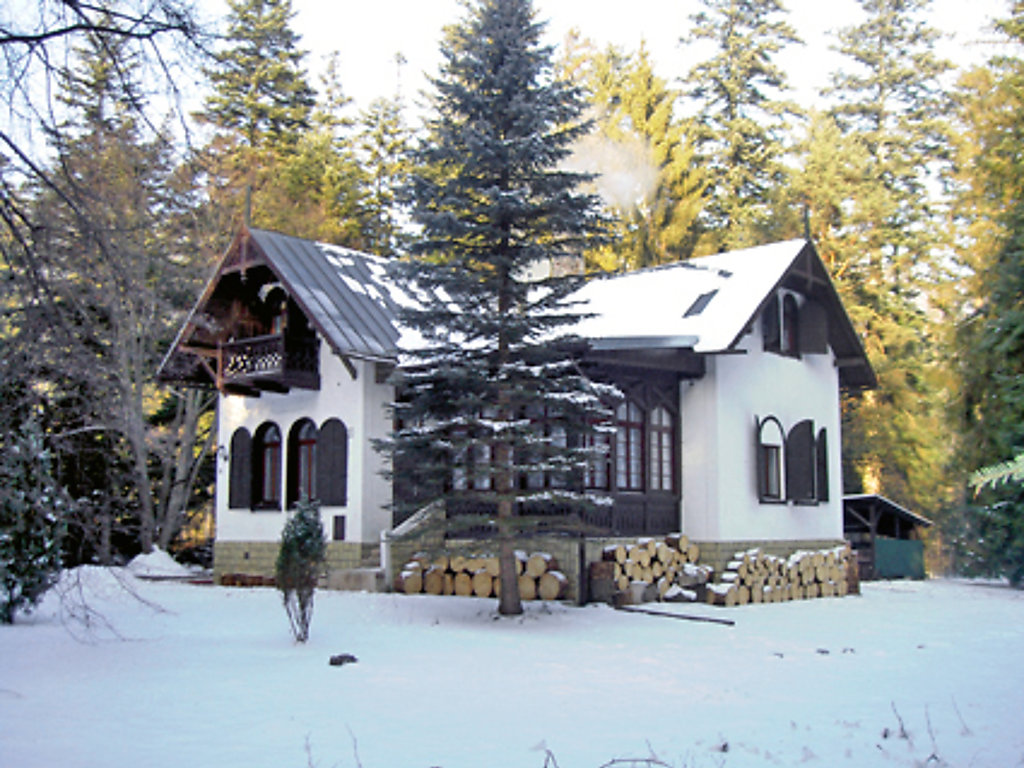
(176,675)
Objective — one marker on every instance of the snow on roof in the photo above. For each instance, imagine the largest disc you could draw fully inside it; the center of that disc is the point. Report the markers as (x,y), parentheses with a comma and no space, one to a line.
(708,300)
(703,303)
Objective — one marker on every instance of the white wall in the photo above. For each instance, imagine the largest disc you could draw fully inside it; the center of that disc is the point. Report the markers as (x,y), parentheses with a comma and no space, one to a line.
(719,412)
(359,404)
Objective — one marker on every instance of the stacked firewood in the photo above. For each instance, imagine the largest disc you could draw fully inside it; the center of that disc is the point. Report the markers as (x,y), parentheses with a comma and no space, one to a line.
(479,576)
(668,566)
(755,577)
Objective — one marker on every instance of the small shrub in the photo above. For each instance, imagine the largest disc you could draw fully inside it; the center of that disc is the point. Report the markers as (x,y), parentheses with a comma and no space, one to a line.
(299,564)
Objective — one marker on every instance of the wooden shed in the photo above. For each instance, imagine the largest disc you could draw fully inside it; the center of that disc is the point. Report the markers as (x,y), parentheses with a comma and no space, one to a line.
(885,536)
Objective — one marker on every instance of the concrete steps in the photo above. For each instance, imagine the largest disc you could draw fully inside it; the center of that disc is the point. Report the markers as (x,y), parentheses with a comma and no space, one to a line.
(368,576)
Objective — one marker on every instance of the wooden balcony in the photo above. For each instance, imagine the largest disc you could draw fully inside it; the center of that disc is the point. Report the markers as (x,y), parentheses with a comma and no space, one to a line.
(274,363)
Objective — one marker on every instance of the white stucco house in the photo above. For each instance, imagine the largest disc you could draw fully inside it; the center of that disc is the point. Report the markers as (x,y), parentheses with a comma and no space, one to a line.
(731,366)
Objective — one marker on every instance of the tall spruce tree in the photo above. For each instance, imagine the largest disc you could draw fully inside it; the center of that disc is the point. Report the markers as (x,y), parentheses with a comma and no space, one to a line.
(259,84)
(741,121)
(650,181)
(272,139)
(990,338)
(494,412)
(384,144)
(891,105)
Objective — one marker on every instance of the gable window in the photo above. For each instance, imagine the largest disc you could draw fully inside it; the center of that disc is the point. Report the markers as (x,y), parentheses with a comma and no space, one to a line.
(771,442)
(629,453)
(660,441)
(302,452)
(266,479)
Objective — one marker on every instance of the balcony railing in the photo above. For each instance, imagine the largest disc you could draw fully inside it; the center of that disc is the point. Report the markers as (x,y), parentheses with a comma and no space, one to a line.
(274,361)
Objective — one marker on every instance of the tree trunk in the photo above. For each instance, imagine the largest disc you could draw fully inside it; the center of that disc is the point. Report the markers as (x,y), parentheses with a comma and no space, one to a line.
(186,466)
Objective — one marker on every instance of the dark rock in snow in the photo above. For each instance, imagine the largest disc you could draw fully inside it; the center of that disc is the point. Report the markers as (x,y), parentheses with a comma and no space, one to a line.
(342,658)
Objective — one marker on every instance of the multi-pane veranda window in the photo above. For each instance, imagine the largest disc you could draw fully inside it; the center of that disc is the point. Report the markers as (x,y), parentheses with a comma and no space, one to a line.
(659,447)
(549,436)
(629,450)
(599,468)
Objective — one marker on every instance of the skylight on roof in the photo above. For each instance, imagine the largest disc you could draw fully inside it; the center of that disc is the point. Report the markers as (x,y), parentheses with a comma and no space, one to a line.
(700,303)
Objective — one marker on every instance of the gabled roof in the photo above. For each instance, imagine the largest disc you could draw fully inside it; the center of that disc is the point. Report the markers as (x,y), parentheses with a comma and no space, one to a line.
(703,305)
(706,304)
(344,294)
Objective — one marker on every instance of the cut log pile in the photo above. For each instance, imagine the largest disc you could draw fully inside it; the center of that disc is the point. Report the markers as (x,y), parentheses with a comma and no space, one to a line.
(479,576)
(755,577)
(650,568)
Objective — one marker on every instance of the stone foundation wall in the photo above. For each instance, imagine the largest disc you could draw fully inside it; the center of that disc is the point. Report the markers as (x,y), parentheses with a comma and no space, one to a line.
(257,558)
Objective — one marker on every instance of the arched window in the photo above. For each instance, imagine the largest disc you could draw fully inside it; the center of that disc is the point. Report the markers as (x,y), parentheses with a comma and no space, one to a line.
(240,470)
(790,326)
(660,440)
(771,444)
(332,463)
(629,449)
(266,466)
(302,440)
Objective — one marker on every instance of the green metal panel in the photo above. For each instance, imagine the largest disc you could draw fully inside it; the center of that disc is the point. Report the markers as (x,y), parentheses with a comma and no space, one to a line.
(898,558)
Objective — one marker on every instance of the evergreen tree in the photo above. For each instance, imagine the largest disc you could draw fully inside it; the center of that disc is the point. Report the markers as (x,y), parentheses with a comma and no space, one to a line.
(493,411)
(741,120)
(299,565)
(880,237)
(991,335)
(260,90)
(385,143)
(272,141)
(33,509)
(650,180)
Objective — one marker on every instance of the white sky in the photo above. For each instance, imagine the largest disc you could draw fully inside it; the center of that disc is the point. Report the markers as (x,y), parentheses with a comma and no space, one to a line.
(368,34)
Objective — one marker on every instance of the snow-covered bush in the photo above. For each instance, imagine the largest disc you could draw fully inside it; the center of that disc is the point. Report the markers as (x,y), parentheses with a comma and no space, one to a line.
(299,563)
(33,508)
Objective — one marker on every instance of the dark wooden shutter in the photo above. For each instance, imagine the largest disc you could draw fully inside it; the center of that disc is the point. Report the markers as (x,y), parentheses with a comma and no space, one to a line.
(771,328)
(240,470)
(801,467)
(813,329)
(821,457)
(291,471)
(332,464)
